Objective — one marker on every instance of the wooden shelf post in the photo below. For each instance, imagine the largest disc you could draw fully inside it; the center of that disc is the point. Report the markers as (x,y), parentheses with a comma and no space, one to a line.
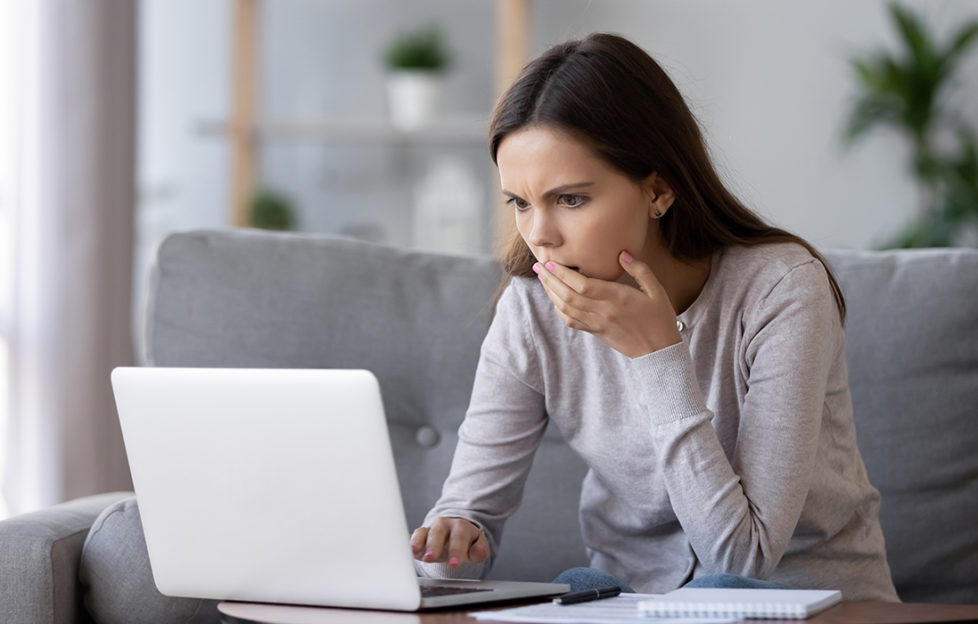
(512,41)
(512,52)
(244,82)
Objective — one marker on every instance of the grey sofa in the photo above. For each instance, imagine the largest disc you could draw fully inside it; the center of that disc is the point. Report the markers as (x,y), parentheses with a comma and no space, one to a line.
(249,299)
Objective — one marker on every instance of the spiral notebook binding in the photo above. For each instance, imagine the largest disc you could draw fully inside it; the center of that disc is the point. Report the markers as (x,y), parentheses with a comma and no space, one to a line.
(742,603)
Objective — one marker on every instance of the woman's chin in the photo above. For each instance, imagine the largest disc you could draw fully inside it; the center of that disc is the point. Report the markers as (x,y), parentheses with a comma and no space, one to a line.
(611,275)
(622,277)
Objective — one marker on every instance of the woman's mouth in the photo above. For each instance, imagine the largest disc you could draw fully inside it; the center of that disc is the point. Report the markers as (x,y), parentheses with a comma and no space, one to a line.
(567,266)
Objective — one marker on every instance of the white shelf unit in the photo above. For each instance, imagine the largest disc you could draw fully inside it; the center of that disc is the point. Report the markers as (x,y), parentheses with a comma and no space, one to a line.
(245,131)
(352,131)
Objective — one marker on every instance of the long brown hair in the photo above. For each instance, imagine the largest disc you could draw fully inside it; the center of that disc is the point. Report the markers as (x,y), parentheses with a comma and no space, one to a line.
(607,92)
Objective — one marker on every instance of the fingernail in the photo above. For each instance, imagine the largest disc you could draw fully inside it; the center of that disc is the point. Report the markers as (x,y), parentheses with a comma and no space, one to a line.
(453,561)
(550,266)
(627,257)
(536,269)
(428,556)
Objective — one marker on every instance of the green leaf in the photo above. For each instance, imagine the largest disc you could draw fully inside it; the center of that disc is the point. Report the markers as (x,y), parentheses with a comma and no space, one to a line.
(948,59)
(960,178)
(870,111)
(915,36)
(962,40)
(271,211)
(879,73)
(867,76)
(420,49)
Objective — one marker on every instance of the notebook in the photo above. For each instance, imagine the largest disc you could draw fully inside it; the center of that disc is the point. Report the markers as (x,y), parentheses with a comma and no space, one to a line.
(740,603)
(277,486)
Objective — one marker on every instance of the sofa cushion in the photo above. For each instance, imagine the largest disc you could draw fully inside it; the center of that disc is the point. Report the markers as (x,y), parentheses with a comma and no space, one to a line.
(912,353)
(117,581)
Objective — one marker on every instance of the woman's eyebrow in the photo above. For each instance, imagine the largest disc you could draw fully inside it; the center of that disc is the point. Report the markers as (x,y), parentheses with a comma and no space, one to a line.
(554,191)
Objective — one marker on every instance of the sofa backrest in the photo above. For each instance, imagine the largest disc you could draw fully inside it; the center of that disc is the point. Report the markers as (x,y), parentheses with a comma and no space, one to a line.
(256,299)
(912,353)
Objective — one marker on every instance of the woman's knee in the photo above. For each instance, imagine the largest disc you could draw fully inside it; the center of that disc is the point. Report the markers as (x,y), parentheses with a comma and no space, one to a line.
(732,581)
(581,579)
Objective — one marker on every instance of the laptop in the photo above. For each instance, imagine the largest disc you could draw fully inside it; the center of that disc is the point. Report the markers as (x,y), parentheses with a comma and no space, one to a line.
(277,486)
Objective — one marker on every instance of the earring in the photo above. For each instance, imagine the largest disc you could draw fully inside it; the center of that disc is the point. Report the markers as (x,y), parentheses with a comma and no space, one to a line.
(658,213)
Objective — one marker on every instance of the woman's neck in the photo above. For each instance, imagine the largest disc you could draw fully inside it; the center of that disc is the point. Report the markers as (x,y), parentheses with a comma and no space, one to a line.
(683,281)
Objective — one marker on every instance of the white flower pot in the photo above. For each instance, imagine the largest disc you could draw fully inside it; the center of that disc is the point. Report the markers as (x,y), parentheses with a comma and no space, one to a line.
(413,97)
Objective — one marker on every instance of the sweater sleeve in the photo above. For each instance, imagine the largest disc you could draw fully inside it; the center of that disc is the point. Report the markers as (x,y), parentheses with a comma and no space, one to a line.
(500,433)
(740,514)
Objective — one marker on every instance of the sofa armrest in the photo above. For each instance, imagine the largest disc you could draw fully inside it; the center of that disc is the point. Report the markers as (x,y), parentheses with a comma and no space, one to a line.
(39,555)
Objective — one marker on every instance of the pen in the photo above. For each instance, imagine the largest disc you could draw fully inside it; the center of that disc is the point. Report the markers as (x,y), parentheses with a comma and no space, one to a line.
(587,595)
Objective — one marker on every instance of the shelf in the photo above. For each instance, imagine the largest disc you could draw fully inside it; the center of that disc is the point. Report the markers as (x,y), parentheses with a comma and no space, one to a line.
(246,133)
(458,131)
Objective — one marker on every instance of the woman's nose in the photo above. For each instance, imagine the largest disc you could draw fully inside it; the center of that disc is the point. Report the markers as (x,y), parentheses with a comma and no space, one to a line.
(544,232)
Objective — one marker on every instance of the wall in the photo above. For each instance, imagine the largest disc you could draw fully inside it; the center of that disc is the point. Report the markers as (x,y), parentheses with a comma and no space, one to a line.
(182,73)
(769,81)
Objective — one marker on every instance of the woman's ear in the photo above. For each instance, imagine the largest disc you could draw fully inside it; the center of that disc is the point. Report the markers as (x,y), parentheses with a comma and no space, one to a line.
(660,195)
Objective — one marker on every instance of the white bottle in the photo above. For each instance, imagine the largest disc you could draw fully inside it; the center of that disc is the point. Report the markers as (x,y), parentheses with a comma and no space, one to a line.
(446,208)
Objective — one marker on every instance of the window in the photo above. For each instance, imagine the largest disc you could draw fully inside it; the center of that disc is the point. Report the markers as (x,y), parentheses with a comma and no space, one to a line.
(6,244)
(6,225)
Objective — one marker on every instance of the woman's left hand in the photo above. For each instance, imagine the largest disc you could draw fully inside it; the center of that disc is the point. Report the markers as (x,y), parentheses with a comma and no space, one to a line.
(633,321)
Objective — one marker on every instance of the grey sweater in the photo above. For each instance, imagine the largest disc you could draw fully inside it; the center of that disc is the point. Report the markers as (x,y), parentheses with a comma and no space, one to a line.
(733,451)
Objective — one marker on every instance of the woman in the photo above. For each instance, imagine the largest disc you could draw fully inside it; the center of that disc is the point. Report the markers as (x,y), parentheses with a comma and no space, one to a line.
(690,353)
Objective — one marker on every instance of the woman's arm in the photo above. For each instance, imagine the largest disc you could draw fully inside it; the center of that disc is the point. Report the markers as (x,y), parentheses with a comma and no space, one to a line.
(739,515)
(501,431)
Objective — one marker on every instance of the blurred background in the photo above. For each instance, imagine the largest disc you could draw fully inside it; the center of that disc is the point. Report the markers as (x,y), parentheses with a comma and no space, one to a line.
(851,124)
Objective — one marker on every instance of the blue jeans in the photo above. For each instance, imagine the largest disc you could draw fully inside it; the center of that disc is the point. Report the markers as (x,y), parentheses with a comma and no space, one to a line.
(732,580)
(580,579)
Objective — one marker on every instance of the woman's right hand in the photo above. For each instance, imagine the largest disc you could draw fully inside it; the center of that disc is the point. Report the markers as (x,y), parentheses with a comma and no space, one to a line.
(452,540)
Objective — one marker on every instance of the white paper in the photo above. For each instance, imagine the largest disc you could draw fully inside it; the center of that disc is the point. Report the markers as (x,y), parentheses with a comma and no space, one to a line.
(617,610)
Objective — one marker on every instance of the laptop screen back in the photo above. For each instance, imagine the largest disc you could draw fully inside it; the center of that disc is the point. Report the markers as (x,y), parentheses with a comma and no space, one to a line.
(269,485)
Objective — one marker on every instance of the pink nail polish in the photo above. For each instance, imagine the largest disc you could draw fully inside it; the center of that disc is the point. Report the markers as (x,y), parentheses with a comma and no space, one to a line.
(453,561)
(627,257)
(550,266)
(428,556)
(536,269)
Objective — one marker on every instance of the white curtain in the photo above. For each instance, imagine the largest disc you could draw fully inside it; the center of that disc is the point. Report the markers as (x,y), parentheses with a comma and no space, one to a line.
(71,198)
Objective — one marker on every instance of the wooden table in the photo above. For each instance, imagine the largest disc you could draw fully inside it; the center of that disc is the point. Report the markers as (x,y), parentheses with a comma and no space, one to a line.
(867,612)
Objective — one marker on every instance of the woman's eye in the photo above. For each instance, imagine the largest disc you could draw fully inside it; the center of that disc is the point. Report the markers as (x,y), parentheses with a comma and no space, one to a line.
(573,201)
(518,203)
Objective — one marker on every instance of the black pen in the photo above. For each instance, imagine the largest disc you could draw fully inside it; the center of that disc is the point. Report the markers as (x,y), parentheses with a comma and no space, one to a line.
(588,595)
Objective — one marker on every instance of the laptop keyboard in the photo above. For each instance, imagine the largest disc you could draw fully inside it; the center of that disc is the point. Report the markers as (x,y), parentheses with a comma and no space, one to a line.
(430,591)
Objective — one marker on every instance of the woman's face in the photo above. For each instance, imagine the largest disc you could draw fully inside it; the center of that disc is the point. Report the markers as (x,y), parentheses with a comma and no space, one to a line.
(572,207)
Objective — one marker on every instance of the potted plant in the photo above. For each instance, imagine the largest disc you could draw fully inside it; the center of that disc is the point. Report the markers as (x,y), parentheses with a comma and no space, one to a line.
(416,62)
(907,93)
(271,211)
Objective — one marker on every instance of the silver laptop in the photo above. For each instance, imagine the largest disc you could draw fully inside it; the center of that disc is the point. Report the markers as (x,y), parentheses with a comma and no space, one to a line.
(274,485)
